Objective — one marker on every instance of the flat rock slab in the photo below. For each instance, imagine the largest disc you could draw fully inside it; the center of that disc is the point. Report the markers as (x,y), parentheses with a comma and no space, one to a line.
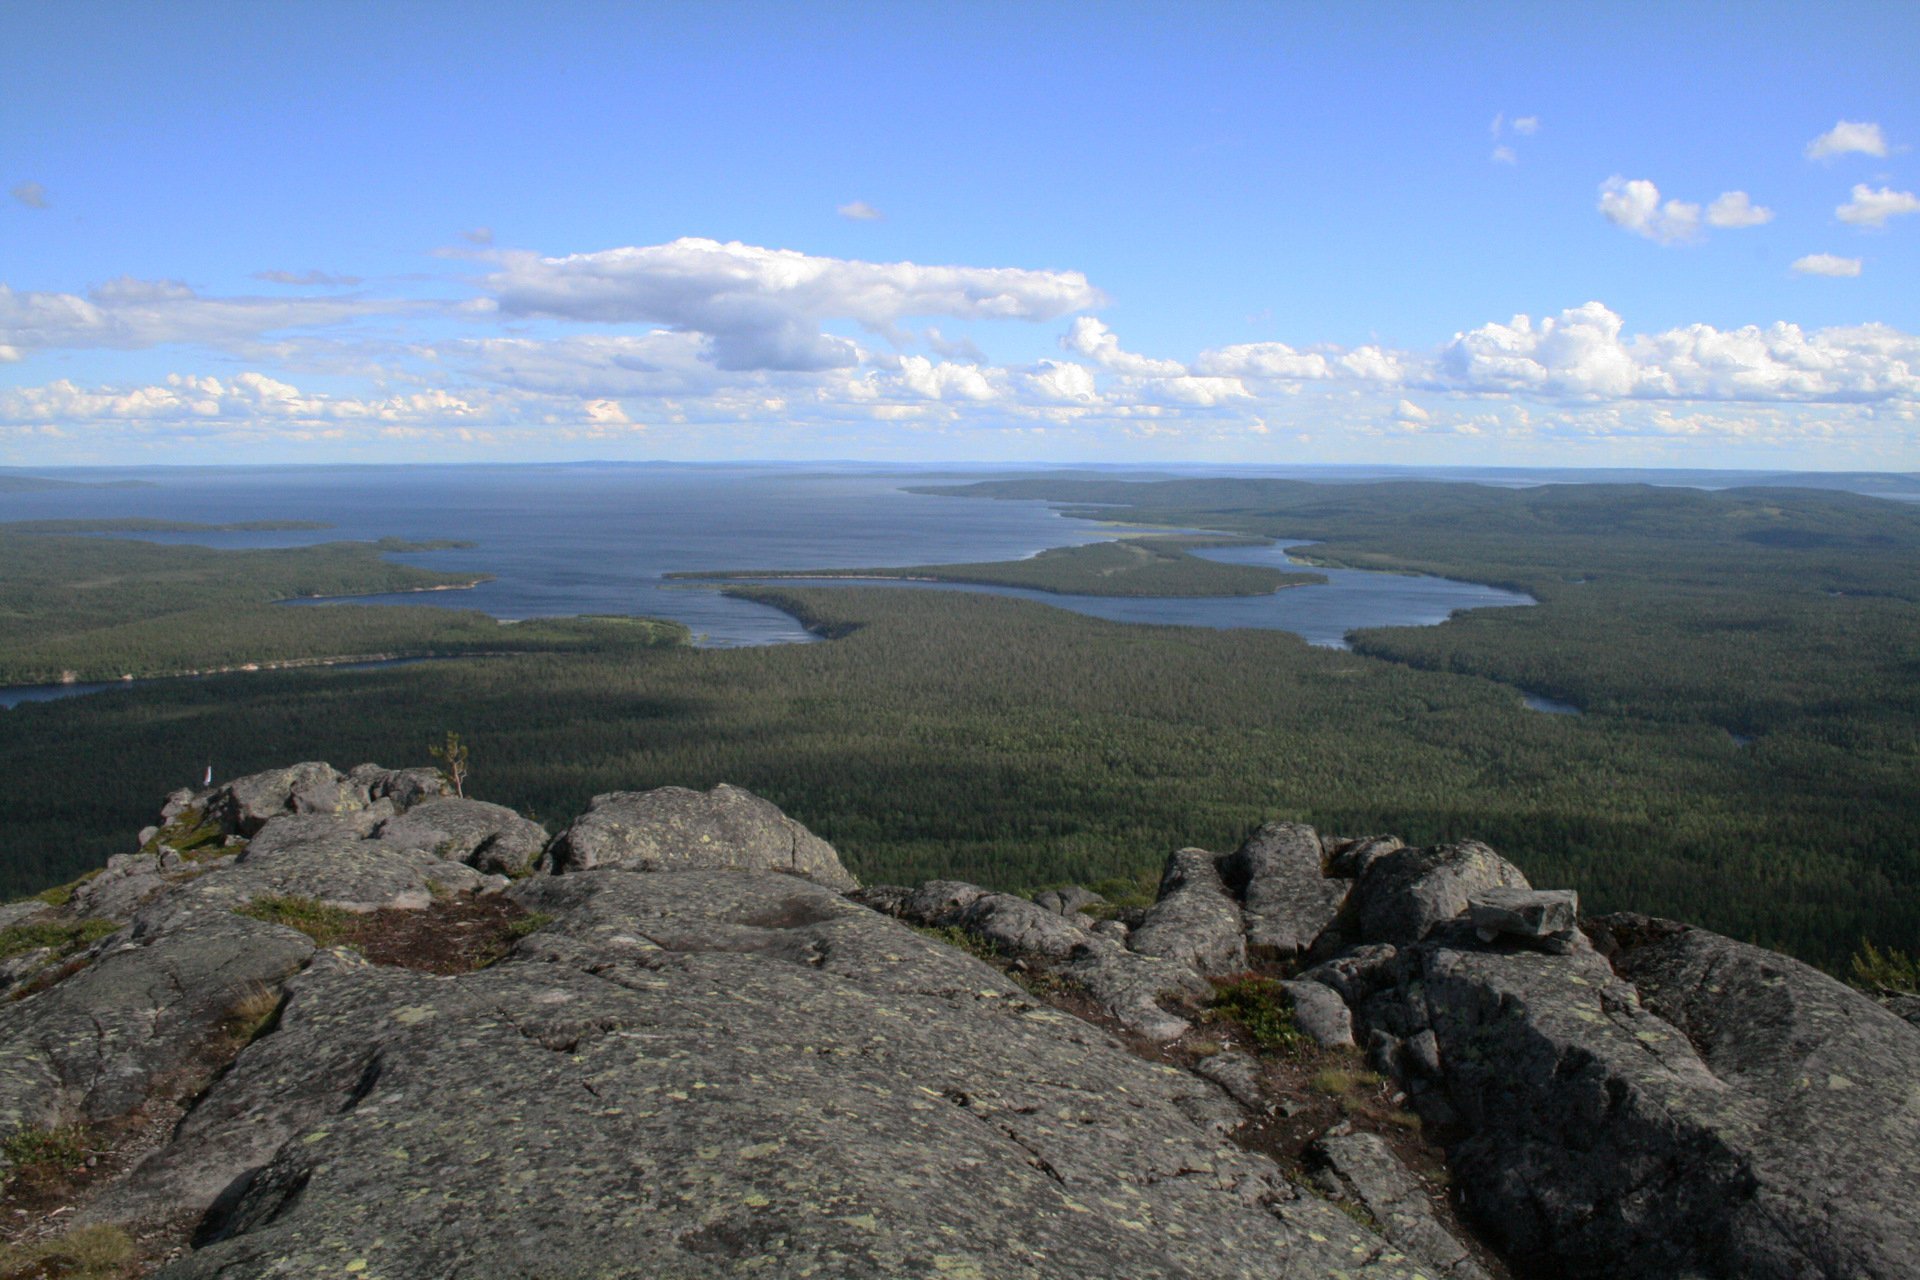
(618,1099)
(147,1006)
(674,829)
(1364,1169)
(1546,918)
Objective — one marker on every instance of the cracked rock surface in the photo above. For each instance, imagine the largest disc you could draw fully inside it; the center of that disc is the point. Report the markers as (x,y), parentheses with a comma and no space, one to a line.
(713,1070)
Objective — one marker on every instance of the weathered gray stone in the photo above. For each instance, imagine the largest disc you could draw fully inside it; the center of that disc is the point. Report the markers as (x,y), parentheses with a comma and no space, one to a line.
(405,787)
(1285,899)
(1012,924)
(246,804)
(1357,974)
(1401,895)
(488,837)
(1346,859)
(123,884)
(674,829)
(1320,1014)
(1135,989)
(1907,1007)
(12,913)
(1196,921)
(329,858)
(142,1013)
(1128,986)
(1070,901)
(1239,1074)
(818,1092)
(1365,1170)
(1546,918)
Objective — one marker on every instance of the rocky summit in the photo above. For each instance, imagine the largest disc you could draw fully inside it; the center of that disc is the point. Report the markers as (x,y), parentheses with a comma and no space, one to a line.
(349,1024)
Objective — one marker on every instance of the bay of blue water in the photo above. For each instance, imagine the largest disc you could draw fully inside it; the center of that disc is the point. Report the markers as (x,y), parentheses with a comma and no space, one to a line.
(599,538)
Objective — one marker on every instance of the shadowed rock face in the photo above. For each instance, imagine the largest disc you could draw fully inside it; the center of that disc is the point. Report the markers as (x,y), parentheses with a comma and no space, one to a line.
(673,829)
(1697,1107)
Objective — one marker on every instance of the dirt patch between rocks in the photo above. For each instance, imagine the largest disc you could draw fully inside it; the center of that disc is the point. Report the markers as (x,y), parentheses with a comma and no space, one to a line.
(458,935)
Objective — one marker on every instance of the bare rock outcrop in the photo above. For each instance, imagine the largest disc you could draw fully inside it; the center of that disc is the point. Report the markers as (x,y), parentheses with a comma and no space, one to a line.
(1196,921)
(673,828)
(1286,897)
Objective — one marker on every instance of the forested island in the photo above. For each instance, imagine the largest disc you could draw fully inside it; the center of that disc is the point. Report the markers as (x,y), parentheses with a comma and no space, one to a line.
(1747,661)
(1150,565)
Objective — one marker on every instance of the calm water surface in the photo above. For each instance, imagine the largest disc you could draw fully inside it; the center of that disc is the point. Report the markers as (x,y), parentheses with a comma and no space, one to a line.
(564,540)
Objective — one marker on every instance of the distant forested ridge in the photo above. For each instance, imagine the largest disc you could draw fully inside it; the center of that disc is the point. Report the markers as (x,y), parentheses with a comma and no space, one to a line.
(143,524)
(14,482)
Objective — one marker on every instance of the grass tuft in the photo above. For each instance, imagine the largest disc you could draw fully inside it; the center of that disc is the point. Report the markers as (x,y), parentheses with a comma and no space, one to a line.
(87,1253)
(251,1015)
(324,924)
(63,936)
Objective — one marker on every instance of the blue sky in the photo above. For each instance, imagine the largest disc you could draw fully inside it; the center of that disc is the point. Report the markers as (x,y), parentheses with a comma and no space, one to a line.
(1259,233)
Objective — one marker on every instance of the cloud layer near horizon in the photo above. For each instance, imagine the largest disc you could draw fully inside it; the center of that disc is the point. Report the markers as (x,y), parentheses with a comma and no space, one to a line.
(698,334)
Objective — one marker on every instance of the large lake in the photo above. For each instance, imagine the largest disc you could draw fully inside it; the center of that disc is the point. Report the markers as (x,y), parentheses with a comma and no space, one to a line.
(600,538)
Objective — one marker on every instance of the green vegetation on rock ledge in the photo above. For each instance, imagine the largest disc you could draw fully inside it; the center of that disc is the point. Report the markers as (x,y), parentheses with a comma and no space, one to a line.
(1152,565)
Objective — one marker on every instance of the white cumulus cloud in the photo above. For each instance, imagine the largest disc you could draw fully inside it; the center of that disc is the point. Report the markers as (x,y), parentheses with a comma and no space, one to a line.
(859,211)
(32,195)
(1826,264)
(1737,209)
(762,308)
(1269,360)
(1582,355)
(1527,126)
(1504,155)
(1635,206)
(1846,137)
(1870,208)
(127,313)
(1090,338)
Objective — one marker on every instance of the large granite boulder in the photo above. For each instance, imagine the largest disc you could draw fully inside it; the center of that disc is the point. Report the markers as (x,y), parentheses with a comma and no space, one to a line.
(1285,898)
(487,837)
(1196,921)
(675,829)
(1402,894)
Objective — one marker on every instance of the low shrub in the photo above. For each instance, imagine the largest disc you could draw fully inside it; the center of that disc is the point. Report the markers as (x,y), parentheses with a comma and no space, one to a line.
(1259,1006)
